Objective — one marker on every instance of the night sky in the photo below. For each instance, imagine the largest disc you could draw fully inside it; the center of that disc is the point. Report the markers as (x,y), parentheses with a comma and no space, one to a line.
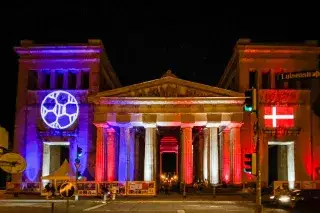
(143,41)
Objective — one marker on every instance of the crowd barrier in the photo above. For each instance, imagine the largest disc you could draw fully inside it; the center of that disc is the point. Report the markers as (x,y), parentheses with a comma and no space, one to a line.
(88,188)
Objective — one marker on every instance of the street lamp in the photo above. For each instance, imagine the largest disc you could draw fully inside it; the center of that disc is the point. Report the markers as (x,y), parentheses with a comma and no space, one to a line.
(77,165)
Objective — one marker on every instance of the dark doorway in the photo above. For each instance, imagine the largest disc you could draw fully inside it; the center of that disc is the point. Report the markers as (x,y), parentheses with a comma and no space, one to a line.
(168,162)
(64,154)
(273,163)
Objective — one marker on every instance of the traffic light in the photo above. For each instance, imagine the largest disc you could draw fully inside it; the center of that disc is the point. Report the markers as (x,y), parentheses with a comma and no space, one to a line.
(79,176)
(250,104)
(250,163)
(79,151)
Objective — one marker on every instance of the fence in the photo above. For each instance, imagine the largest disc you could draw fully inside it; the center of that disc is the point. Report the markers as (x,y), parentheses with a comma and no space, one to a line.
(88,188)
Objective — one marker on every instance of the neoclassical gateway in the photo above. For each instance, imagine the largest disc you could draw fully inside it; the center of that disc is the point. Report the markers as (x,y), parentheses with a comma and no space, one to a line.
(69,97)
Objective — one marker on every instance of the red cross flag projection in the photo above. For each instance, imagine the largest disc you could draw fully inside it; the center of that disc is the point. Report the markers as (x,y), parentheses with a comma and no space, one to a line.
(278,116)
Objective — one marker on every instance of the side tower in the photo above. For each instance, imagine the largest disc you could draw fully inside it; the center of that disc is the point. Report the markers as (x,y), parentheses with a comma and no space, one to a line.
(53,116)
(289,107)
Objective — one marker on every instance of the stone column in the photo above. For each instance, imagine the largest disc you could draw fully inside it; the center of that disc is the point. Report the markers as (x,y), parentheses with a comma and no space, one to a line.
(101,153)
(205,154)
(187,154)
(282,163)
(111,154)
(46,160)
(149,158)
(201,153)
(291,169)
(226,156)
(236,157)
(126,157)
(137,156)
(213,155)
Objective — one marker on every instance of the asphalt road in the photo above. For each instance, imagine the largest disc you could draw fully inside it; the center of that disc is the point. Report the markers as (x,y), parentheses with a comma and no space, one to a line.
(136,206)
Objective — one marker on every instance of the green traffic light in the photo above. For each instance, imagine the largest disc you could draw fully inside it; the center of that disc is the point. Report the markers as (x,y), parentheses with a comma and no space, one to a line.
(248,108)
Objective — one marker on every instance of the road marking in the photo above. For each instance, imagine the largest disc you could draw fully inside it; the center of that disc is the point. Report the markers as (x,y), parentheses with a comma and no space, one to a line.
(181,211)
(94,207)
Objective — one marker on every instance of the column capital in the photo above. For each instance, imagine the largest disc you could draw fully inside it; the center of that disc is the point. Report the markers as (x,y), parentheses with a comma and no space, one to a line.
(149,125)
(125,125)
(187,125)
(234,125)
(110,129)
(103,125)
(213,124)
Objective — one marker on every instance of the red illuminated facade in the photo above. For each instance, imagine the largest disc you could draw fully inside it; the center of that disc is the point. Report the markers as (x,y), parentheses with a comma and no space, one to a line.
(289,136)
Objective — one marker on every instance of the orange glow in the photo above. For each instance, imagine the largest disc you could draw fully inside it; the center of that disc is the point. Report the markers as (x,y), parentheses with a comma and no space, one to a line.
(226,156)
(187,155)
(100,155)
(111,154)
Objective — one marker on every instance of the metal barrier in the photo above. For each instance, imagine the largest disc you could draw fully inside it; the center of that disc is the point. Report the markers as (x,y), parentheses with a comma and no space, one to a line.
(39,201)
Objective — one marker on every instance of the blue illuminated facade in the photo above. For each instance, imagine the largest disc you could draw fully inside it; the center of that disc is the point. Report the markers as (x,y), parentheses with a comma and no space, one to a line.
(52,107)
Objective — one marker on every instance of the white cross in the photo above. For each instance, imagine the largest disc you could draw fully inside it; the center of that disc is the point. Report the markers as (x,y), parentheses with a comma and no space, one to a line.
(274,117)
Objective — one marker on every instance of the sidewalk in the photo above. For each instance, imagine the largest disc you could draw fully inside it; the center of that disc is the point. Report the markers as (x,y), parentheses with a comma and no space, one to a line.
(160,197)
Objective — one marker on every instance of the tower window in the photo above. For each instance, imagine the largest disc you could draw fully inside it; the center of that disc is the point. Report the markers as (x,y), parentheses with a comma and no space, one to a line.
(266,83)
(85,80)
(46,80)
(59,80)
(252,79)
(72,84)
(32,80)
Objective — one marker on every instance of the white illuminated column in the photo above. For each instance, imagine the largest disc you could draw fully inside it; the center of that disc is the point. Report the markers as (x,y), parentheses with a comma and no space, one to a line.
(214,162)
(291,169)
(205,153)
(150,136)
(125,154)
(46,161)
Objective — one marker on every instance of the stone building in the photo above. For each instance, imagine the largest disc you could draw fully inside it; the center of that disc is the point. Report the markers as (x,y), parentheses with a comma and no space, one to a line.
(289,109)
(69,97)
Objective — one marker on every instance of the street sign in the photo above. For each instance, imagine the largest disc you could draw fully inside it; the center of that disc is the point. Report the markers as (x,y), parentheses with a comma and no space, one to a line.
(299,75)
(12,163)
(67,189)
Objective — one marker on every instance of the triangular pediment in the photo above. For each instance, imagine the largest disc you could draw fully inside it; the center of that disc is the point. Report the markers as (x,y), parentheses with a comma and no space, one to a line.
(169,86)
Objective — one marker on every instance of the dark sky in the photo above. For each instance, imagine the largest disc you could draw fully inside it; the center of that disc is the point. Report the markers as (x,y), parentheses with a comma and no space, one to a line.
(143,41)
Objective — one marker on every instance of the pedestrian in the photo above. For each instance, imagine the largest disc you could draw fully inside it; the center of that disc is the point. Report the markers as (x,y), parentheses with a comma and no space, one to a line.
(53,190)
(48,190)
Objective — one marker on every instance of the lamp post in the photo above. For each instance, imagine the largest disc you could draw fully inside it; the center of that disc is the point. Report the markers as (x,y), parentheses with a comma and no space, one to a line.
(77,165)
(259,207)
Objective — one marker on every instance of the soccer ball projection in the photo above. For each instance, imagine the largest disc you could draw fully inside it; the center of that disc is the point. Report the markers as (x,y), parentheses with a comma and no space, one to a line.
(59,109)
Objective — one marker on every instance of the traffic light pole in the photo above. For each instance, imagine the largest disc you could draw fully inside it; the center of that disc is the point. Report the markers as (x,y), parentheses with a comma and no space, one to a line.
(259,207)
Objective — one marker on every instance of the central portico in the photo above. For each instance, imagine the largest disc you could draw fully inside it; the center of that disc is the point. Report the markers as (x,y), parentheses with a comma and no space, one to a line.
(208,120)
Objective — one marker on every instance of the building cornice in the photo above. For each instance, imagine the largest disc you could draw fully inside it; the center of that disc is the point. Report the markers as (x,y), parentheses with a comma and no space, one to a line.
(168,100)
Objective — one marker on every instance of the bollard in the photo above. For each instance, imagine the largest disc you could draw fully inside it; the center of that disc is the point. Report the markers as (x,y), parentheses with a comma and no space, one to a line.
(67,210)
(105,197)
(214,191)
(184,191)
(52,207)
(259,209)
(76,197)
